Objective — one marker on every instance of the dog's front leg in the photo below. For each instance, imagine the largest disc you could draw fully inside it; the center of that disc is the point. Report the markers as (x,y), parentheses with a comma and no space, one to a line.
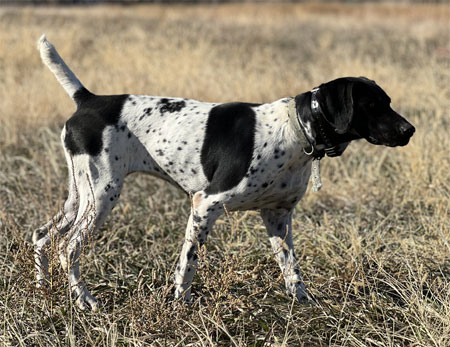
(279,228)
(204,213)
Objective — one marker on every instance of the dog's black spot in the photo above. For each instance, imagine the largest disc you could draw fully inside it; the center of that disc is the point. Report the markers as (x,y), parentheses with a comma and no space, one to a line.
(159,152)
(179,148)
(84,129)
(228,145)
(283,185)
(191,254)
(193,171)
(265,185)
(166,105)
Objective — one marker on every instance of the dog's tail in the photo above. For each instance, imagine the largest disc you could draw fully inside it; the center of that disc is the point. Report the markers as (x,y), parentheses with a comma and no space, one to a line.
(54,62)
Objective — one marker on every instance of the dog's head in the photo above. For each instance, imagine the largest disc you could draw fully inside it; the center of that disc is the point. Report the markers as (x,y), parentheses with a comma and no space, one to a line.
(360,107)
(355,108)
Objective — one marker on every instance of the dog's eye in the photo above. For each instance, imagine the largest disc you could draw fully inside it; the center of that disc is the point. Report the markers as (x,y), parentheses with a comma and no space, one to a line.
(372,105)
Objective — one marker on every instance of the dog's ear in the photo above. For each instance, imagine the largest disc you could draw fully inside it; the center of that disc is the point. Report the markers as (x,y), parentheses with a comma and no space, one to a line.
(336,101)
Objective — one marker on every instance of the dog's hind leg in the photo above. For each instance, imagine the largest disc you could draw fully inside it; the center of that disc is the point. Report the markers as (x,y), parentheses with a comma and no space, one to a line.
(204,212)
(98,194)
(57,225)
(278,223)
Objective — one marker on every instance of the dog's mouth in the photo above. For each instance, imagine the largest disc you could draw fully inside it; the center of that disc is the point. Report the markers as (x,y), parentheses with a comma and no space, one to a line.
(400,142)
(373,140)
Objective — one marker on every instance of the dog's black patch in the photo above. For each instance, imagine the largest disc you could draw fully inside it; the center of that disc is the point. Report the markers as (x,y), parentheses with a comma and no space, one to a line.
(228,146)
(84,129)
(191,253)
(170,106)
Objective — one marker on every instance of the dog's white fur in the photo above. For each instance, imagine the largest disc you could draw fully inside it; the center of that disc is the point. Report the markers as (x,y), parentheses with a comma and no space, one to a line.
(54,62)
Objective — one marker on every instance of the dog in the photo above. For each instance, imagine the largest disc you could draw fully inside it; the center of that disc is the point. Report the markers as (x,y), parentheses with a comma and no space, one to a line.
(233,156)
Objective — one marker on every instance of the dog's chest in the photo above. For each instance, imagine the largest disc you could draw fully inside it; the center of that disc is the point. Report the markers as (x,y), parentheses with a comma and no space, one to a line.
(274,187)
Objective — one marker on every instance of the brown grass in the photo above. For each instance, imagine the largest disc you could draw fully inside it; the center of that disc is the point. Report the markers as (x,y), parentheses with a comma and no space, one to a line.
(374,244)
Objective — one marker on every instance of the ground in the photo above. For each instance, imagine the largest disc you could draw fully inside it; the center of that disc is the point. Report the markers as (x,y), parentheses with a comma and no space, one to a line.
(373,244)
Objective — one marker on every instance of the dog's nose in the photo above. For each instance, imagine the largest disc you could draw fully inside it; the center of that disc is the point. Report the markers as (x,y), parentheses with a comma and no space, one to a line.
(407,129)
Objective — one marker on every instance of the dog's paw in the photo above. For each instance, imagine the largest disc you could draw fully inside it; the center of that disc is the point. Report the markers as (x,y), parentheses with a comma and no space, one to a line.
(85,301)
(303,298)
(183,295)
(300,294)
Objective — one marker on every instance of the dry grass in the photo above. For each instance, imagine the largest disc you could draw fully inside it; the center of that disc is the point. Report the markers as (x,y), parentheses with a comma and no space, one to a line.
(374,244)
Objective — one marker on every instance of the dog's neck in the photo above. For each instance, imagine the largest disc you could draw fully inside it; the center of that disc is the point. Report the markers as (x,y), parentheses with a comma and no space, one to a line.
(299,129)
(308,129)
(307,145)
(315,135)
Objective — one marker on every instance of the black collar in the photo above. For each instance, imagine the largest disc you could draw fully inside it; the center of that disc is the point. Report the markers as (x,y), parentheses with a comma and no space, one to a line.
(330,149)
(325,141)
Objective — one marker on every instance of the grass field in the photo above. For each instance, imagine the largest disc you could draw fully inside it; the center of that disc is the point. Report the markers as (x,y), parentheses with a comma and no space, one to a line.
(373,244)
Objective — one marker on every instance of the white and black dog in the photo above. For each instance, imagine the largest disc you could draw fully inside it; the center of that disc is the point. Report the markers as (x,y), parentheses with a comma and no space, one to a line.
(234,156)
